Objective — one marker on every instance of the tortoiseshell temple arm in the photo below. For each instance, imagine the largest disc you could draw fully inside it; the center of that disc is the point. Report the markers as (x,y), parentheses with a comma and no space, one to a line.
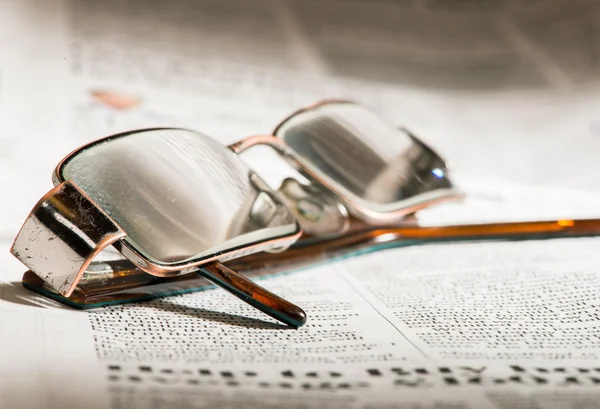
(255,295)
(118,282)
(518,230)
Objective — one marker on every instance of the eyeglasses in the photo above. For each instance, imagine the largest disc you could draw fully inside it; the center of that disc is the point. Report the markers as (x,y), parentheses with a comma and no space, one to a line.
(178,204)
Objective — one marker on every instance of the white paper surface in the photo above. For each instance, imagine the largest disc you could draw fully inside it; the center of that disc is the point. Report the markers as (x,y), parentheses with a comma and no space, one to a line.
(495,325)
(446,325)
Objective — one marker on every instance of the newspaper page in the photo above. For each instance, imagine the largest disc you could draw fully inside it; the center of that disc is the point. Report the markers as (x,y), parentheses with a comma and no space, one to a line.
(455,325)
(508,92)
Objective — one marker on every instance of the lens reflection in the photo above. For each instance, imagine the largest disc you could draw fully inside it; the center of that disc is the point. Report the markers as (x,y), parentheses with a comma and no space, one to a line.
(178,195)
(362,157)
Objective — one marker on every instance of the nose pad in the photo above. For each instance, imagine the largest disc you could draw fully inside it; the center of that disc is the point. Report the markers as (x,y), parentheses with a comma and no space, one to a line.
(319,212)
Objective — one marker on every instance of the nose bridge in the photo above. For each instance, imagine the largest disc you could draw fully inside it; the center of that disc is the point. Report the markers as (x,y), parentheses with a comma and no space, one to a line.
(318,211)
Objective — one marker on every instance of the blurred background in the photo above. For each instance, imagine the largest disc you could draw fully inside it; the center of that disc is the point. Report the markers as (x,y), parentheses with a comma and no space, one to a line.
(507,91)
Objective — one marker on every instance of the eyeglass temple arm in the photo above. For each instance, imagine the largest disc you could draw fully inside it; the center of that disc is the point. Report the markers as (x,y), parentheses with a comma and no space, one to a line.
(253,294)
(528,229)
(361,235)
